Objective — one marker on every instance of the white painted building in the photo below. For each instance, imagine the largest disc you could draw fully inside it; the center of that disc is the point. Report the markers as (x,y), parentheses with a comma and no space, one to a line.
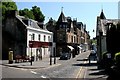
(38,35)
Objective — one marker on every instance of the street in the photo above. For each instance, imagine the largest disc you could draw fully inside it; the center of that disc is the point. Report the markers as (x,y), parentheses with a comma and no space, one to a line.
(73,68)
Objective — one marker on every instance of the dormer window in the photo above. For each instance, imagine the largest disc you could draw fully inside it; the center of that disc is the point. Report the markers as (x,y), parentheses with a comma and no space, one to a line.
(29,23)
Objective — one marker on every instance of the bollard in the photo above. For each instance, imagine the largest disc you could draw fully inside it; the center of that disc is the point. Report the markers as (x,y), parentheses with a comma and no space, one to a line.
(10,57)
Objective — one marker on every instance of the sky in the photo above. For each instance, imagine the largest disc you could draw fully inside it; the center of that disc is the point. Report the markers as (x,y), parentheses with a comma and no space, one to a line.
(85,12)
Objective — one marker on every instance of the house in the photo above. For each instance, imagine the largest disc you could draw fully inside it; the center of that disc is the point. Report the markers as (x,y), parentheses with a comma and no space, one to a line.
(101,36)
(63,36)
(40,38)
(106,31)
(69,35)
(24,37)
(13,36)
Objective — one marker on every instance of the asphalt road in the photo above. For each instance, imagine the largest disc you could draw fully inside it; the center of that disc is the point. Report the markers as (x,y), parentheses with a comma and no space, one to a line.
(68,69)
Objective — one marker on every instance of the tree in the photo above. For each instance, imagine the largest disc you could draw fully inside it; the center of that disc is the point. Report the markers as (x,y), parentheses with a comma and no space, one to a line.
(38,14)
(26,13)
(34,13)
(7,6)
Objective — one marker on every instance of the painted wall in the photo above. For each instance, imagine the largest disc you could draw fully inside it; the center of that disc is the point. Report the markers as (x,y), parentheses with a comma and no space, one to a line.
(43,34)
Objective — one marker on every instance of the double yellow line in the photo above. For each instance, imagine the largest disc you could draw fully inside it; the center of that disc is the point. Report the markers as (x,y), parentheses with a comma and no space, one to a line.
(80,70)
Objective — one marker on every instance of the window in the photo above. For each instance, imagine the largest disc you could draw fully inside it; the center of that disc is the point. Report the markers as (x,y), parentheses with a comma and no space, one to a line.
(39,37)
(44,37)
(60,36)
(60,26)
(71,38)
(33,36)
(64,26)
(74,39)
(49,39)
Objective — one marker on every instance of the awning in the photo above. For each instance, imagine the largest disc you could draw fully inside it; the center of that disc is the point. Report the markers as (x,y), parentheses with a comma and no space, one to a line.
(79,47)
(71,48)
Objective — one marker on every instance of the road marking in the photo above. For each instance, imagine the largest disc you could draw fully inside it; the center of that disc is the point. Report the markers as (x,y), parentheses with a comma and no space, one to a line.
(33,72)
(79,73)
(18,68)
(85,72)
(43,77)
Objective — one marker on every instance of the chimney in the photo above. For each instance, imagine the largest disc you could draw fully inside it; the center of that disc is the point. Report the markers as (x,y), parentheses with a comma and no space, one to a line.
(12,13)
(85,26)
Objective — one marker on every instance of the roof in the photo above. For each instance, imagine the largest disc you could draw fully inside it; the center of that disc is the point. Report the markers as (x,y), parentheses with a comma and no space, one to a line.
(62,18)
(102,27)
(102,16)
(33,23)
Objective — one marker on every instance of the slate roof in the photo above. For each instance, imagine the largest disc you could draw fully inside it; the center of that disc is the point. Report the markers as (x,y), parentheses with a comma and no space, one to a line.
(33,22)
(62,18)
(102,16)
(102,27)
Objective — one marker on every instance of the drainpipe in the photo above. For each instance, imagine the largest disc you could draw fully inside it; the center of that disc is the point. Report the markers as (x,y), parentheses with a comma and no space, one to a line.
(100,55)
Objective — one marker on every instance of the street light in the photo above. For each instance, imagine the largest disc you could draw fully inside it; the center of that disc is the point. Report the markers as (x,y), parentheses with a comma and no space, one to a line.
(50,59)
(31,45)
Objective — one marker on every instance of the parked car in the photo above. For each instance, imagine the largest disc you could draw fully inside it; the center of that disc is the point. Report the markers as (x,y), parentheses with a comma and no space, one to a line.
(65,56)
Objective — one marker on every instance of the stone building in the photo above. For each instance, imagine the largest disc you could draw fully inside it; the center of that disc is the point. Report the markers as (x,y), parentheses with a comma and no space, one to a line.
(70,35)
(20,32)
(106,31)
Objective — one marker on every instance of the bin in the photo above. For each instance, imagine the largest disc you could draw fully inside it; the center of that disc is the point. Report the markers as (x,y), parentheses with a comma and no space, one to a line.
(10,57)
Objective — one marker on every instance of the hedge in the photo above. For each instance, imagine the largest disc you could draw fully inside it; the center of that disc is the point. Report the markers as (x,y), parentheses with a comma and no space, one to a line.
(117,59)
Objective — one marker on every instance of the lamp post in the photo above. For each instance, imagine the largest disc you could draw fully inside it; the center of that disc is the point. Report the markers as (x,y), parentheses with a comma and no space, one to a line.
(54,50)
(51,57)
(31,45)
(31,54)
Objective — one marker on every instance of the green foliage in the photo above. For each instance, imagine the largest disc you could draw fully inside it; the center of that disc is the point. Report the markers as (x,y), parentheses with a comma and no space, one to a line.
(7,6)
(26,13)
(6,0)
(34,13)
(94,41)
(104,55)
(117,59)
(38,14)
(0,12)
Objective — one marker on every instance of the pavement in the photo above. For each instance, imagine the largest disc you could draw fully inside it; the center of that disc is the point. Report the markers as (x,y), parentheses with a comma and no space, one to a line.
(44,63)
(92,72)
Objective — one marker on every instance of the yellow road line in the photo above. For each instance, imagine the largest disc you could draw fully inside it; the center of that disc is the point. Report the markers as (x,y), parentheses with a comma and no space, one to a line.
(79,73)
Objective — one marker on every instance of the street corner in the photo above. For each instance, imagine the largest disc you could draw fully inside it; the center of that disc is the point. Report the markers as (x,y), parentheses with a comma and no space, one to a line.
(11,65)
(38,67)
